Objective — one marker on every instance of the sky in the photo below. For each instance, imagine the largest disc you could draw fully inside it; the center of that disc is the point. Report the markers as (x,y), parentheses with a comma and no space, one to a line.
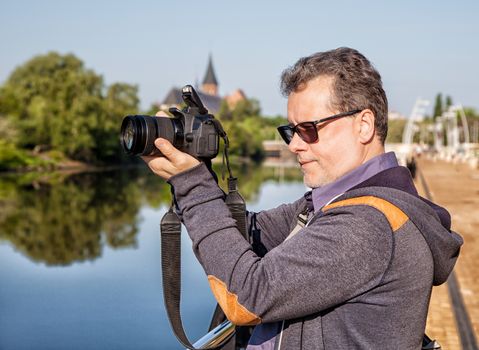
(419,47)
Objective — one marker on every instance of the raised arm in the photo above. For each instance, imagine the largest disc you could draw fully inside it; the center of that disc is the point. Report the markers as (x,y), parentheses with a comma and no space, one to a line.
(323,265)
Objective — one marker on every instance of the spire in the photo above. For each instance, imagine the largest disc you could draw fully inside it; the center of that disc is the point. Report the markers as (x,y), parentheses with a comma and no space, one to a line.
(210,77)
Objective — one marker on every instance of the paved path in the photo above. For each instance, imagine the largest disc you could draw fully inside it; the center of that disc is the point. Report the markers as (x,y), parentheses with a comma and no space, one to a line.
(456,187)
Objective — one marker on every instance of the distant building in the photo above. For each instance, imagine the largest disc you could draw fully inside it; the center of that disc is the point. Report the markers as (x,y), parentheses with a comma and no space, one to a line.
(235,97)
(210,83)
(208,93)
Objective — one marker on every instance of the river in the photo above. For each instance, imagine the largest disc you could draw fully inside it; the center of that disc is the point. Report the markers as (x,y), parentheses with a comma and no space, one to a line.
(80,258)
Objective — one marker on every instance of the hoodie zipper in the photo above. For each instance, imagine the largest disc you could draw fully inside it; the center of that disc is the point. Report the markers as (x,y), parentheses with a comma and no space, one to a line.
(304,218)
(279,338)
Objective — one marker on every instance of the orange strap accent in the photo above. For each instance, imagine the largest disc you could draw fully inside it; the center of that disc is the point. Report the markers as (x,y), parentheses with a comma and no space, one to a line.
(234,311)
(393,214)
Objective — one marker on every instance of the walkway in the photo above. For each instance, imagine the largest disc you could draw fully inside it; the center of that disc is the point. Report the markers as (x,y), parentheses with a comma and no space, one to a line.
(456,187)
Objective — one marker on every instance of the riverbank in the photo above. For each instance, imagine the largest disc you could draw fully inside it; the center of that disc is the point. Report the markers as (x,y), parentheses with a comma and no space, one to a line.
(57,162)
(67,167)
(17,161)
(13,159)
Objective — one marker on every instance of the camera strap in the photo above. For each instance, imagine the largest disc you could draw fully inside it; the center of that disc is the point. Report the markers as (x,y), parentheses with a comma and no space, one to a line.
(171,268)
(171,261)
(171,273)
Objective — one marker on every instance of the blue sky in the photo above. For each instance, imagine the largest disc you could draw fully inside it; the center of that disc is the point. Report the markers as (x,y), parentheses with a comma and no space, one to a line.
(419,47)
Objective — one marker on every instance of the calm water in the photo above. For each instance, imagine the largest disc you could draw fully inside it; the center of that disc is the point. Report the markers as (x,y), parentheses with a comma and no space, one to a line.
(80,259)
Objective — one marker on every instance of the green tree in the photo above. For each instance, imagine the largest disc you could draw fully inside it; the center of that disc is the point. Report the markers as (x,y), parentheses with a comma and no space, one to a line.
(248,107)
(247,128)
(51,99)
(121,99)
(269,127)
(438,106)
(224,114)
(56,103)
(8,132)
(448,102)
(472,117)
(395,130)
(242,109)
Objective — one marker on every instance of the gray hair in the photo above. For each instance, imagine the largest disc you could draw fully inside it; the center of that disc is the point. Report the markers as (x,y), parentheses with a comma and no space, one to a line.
(356,83)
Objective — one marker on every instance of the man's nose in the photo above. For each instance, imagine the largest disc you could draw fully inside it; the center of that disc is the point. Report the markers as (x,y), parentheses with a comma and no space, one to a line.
(297,144)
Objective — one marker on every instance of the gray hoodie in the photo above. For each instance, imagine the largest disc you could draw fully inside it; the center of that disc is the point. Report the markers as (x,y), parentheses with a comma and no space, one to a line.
(358,276)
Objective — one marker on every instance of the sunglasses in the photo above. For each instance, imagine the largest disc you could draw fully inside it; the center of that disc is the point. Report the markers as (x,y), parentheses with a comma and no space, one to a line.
(307,130)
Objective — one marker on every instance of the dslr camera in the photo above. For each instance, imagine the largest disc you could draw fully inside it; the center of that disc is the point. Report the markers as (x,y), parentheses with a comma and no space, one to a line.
(191,130)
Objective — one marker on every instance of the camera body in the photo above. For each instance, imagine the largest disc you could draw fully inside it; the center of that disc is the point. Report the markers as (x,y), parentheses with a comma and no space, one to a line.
(191,130)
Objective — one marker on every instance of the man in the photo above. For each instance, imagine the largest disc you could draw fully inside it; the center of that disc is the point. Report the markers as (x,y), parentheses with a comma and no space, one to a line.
(358,274)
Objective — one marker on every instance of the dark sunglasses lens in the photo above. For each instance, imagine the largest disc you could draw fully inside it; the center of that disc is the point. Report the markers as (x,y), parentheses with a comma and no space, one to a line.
(286,133)
(307,131)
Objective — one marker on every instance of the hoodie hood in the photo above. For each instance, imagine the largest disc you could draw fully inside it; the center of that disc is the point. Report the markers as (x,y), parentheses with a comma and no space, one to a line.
(434,222)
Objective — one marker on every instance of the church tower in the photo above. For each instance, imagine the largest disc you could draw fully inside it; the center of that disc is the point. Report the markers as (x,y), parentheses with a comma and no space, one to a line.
(210,83)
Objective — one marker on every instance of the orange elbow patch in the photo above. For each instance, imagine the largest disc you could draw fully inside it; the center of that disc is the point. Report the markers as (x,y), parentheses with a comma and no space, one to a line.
(395,216)
(234,311)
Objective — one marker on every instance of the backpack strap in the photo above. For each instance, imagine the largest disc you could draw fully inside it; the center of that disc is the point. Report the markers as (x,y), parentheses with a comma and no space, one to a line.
(302,220)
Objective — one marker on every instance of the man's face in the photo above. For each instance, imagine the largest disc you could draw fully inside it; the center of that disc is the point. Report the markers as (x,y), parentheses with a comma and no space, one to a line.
(337,150)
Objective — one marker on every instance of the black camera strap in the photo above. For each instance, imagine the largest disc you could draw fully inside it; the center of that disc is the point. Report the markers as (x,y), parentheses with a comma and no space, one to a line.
(171,273)
(171,264)
(171,258)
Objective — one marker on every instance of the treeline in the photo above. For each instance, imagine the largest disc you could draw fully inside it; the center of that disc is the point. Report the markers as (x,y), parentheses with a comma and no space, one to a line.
(247,129)
(441,105)
(53,109)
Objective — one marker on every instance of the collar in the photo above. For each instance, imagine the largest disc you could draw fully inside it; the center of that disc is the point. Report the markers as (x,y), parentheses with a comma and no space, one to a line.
(324,194)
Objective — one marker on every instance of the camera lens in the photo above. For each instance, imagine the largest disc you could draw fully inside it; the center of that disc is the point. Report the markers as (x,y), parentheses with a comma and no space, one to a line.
(129,135)
(132,135)
(139,132)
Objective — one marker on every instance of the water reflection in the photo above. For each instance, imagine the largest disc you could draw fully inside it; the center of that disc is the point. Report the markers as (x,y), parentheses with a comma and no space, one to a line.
(112,302)
(59,219)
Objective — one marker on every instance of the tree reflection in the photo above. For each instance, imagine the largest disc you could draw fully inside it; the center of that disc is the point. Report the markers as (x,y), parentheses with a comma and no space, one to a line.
(59,219)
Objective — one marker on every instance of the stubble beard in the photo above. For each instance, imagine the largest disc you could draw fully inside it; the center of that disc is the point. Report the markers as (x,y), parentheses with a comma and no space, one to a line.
(317,177)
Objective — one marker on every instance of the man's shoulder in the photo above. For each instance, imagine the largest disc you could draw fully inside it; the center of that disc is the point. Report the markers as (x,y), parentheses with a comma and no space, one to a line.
(407,202)
(370,206)
(396,205)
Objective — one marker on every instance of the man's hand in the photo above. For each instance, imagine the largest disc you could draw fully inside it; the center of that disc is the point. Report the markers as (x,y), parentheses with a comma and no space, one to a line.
(173,162)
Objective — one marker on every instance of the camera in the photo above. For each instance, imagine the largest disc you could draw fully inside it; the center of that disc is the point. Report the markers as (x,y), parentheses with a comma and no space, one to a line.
(191,130)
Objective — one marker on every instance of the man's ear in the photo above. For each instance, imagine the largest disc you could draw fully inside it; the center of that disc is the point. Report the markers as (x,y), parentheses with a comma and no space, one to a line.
(366,126)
